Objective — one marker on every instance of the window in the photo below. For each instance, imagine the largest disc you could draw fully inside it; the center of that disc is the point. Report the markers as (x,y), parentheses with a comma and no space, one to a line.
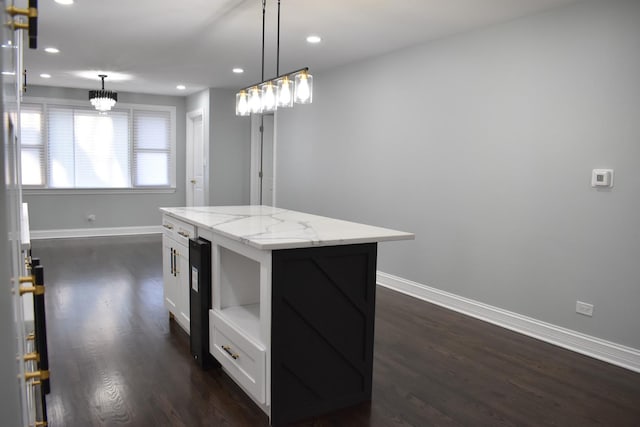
(32,145)
(151,159)
(75,147)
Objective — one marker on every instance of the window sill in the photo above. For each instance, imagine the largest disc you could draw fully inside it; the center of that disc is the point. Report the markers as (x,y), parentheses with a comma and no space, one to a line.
(83,191)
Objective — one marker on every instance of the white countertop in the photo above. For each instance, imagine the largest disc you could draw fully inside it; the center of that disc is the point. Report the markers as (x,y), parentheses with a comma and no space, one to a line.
(266,227)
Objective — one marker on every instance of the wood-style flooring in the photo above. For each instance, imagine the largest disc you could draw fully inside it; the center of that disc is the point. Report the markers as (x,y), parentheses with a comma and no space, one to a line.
(117,360)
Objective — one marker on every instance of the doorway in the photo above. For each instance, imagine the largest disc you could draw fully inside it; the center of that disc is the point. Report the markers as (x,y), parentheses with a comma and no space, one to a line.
(197,153)
(263,160)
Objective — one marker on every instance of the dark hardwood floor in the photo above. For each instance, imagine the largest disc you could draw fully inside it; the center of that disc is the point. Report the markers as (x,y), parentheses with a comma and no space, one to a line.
(117,360)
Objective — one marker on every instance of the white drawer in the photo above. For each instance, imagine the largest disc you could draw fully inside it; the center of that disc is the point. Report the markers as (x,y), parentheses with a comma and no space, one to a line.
(243,360)
(178,230)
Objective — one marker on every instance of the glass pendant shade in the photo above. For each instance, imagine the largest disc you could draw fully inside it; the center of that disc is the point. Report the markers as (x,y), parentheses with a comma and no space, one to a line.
(242,103)
(268,97)
(255,103)
(285,93)
(304,88)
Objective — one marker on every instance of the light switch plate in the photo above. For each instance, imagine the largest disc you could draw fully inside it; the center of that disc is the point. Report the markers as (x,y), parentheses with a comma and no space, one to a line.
(602,178)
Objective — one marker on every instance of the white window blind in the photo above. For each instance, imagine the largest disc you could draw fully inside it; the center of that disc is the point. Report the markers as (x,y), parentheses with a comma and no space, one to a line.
(151,148)
(88,150)
(32,152)
(126,148)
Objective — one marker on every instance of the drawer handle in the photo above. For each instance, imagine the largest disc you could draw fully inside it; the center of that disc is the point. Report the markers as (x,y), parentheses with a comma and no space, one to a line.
(168,226)
(183,234)
(41,375)
(32,357)
(229,352)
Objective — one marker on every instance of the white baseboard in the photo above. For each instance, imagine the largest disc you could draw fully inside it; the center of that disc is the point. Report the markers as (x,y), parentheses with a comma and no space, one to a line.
(616,354)
(94,232)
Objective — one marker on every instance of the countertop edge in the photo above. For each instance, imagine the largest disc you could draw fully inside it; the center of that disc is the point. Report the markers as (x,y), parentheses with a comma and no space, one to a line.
(401,235)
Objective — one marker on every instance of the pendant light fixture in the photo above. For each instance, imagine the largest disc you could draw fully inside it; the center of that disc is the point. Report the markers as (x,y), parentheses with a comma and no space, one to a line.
(281,91)
(103,100)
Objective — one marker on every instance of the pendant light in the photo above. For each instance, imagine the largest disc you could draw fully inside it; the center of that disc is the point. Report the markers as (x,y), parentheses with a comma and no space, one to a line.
(304,88)
(255,103)
(103,100)
(281,91)
(242,103)
(285,92)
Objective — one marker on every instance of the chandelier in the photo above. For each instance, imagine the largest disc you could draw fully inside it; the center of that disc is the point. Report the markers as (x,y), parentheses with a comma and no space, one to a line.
(103,100)
(281,91)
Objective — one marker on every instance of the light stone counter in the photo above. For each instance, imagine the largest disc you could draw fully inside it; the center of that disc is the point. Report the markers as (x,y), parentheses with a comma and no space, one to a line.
(269,228)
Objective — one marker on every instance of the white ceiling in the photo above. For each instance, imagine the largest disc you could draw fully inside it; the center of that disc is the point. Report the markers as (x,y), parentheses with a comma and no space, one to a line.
(159,44)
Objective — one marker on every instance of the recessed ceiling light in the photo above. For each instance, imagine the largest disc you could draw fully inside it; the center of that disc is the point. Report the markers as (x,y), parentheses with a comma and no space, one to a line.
(45,76)
(111,75)
(314,39)
(64,2)
(238,70)
(181,87)
(51,50)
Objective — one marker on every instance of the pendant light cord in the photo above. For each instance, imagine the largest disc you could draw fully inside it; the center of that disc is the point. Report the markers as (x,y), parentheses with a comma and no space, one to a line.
(278,44)
(264,7)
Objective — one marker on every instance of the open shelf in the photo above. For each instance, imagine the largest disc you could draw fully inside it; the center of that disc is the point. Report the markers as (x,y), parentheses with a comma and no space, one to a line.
(239,303)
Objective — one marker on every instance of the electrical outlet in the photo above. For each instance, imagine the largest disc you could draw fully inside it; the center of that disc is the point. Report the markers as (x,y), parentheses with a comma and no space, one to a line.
(584,308)
(91,217)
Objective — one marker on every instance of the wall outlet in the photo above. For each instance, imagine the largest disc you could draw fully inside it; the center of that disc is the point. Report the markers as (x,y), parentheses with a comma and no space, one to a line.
(91,217)
(584,308)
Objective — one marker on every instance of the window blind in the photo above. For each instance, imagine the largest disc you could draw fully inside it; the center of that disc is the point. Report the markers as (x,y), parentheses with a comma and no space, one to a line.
(87,149)
(151,148)
(76,147)
(32,145)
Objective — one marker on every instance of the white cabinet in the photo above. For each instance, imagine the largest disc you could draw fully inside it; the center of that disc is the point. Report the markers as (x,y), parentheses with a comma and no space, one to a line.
(240,319)
(175,268)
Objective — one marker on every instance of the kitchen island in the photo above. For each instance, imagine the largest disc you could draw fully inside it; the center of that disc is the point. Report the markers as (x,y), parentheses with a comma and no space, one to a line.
(293,302)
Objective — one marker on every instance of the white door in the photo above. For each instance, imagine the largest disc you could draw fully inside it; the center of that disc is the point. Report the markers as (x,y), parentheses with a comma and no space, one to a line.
(17,394)
(263,160)
(197,154)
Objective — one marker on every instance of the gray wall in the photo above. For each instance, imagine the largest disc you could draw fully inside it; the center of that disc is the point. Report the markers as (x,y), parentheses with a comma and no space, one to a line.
(483,145)
(231,158)
(229,146)
(69,211)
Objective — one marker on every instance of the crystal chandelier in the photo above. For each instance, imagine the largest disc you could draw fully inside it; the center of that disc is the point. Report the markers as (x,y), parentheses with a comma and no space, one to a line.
(281,91)
(103,100)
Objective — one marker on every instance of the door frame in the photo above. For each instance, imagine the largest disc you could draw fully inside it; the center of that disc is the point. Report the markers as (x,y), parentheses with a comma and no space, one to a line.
(256,156)
(191,117)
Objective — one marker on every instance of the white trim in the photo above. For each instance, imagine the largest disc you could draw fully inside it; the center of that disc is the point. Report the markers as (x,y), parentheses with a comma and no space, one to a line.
(81,191)
(64,102)
(95,232)
(616,354)
(275,157)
